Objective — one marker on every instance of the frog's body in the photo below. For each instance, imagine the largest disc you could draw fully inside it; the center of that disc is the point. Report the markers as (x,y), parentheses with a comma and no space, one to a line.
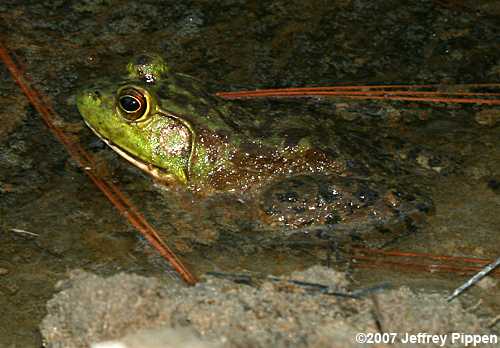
(192,138)
(169,126)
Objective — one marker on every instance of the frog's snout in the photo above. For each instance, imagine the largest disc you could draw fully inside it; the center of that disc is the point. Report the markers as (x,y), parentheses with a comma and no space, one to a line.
(94,94)
(91,95)
(88,97)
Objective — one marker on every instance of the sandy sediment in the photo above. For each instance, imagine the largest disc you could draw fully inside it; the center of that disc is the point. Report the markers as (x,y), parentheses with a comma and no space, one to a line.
(148,313)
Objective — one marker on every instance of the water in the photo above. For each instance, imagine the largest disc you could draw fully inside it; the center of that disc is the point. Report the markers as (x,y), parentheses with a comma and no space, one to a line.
(232,45)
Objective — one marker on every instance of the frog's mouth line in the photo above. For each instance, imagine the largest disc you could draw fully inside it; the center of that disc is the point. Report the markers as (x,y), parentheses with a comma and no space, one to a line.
(152,170)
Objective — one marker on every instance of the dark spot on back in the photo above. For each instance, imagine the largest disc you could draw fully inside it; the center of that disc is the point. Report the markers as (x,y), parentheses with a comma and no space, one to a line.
(294,135)
(288,196)
(367,195)
(143,59)
(494,184)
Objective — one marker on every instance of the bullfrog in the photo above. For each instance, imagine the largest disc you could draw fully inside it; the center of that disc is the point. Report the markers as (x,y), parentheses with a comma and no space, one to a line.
(299,169)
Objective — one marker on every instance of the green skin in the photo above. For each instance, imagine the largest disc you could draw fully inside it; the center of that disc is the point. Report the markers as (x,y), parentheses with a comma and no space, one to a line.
(190,137)
(296,165)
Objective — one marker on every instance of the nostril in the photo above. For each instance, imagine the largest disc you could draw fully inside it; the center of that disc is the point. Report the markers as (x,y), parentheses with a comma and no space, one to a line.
(93,95)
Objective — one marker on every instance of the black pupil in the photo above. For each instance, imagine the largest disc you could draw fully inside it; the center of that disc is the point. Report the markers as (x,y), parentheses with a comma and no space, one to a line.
(129,103)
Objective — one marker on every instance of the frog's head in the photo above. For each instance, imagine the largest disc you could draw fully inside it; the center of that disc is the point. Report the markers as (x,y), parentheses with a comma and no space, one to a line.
(127,114)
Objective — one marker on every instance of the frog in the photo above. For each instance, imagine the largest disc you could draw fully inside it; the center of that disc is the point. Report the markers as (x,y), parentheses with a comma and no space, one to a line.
(300,171)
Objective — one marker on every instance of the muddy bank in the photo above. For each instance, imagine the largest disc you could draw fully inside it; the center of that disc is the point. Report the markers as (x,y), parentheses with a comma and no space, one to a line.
(222,313)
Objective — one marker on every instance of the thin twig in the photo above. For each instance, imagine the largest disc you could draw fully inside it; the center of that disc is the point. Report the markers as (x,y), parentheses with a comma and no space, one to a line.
(371,289)
(477,277)
(380,92)
(314,287)
(18,230)
(423,262)
(421,255)
(370,87)
(87,163)
(377,314)
(370,262)
(494,321)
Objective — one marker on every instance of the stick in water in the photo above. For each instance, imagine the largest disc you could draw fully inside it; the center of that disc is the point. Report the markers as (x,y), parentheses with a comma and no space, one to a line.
(477,277)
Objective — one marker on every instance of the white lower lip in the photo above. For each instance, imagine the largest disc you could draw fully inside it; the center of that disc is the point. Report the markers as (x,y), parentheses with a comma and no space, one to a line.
(131,159)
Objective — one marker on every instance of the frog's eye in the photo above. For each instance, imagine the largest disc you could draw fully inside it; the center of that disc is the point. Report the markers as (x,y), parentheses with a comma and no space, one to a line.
(132,103)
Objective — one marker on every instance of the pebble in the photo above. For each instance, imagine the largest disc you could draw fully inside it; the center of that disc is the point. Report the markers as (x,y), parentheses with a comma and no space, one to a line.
(488,117)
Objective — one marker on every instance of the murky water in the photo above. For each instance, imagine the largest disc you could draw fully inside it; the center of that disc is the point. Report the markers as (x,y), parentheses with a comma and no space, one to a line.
(232,45)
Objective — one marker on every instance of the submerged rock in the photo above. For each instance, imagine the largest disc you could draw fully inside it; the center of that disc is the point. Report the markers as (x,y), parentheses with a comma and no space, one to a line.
(220,313)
